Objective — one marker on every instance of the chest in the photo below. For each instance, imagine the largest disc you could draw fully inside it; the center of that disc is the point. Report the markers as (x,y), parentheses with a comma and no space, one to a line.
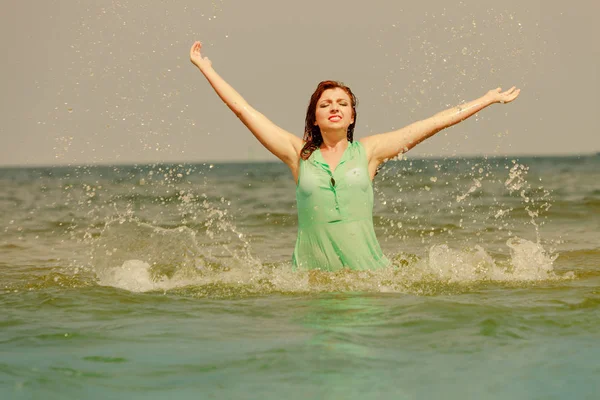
(317,179)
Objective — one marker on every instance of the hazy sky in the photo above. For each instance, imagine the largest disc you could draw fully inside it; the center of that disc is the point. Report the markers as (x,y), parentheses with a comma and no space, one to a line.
(110,81)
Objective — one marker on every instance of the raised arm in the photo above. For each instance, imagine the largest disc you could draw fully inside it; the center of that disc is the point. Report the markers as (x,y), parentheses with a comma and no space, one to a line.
(388,145)
(278,141)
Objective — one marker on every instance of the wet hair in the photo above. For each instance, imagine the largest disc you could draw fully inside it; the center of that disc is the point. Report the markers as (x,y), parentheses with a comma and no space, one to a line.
(312,133)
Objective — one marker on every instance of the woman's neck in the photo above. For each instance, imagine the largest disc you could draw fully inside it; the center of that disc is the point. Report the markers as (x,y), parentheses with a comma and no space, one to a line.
(334,143)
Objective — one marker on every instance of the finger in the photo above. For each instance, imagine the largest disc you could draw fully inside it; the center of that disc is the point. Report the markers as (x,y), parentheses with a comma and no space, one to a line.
(513,95)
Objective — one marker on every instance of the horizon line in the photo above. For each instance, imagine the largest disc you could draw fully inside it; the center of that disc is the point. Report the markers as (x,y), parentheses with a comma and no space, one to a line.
(276,161)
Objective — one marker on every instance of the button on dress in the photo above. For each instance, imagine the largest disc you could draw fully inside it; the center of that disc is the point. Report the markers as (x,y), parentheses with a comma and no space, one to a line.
(335,214)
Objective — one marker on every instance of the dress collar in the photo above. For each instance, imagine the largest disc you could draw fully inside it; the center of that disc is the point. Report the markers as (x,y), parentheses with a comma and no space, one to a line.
(318,159)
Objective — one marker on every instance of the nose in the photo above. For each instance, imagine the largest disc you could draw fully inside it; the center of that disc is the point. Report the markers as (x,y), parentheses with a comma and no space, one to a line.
(334,108)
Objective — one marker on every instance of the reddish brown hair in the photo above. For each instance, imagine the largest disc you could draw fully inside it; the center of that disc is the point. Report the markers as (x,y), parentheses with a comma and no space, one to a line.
(312,133)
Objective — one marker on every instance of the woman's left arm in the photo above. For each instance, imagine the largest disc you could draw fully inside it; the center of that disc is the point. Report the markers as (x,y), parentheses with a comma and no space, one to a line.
(388,145)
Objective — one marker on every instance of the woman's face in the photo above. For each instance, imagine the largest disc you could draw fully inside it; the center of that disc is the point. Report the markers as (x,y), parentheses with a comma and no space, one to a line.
(334,111)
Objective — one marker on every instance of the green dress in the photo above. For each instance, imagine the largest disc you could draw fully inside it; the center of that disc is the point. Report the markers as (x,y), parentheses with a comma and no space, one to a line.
(335,214)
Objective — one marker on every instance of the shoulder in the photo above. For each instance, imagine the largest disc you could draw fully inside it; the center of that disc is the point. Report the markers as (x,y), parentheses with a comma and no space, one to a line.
(368,144)
(368,141)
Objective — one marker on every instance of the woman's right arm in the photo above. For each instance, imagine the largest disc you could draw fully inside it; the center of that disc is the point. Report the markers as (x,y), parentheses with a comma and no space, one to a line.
(278,141)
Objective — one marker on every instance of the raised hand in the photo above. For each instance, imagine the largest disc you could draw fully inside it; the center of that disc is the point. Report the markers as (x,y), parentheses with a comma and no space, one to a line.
(498,96)
(196,57)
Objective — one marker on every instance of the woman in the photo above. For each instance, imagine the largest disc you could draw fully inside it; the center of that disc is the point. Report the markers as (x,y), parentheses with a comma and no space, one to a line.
(333,173)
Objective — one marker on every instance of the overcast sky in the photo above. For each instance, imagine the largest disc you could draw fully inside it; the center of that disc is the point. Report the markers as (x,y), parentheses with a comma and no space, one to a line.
(110,81)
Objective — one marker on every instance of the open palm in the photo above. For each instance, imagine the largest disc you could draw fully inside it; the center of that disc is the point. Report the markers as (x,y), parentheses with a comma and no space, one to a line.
(504,97)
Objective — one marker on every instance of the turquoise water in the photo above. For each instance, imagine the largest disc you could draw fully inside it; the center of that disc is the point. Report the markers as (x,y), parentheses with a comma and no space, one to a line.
(158,281)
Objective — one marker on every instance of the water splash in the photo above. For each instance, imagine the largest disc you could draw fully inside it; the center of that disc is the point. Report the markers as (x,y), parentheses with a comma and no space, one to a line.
(528,262)
(147,258)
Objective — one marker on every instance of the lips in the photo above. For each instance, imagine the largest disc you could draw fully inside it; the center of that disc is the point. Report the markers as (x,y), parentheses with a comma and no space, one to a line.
(335,118)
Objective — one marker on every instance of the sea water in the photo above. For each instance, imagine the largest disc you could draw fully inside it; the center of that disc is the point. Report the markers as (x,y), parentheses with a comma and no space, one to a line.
(175,281)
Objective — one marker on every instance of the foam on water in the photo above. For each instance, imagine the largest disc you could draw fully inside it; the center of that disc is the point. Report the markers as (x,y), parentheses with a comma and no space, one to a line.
(133,275)
(528,261)
(138,257)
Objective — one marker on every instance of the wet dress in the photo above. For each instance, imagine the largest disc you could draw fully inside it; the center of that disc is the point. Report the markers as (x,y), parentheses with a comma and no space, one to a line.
(335,214)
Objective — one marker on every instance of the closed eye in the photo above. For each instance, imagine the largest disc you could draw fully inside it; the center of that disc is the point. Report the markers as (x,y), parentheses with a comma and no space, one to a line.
(340,102)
